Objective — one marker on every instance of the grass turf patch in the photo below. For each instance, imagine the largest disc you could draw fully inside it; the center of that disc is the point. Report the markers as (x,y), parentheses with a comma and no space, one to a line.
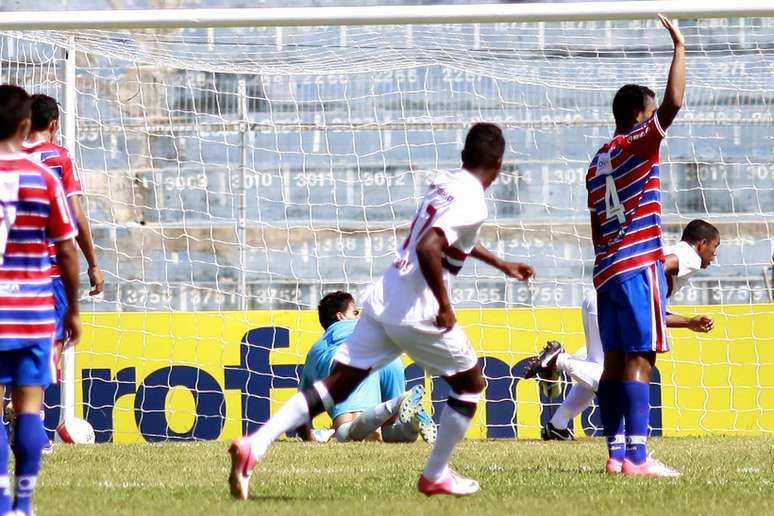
(723,475)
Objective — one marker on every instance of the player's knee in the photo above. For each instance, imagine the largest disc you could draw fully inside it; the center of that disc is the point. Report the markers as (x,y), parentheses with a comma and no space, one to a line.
(464,403)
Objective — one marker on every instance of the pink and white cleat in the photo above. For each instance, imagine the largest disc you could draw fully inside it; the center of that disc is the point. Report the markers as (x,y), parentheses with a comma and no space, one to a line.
(650,468)
(242,465)
(613,466)
(450,483)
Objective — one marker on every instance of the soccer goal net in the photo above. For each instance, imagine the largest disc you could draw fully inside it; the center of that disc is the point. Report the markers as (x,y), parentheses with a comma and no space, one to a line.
(234,175)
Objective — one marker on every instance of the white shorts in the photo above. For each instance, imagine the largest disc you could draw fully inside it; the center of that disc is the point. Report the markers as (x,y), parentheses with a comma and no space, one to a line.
(374,344)
(594,351)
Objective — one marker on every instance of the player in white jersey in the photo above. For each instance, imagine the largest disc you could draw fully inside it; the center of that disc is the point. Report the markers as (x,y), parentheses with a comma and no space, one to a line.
(409,310)
(695,251)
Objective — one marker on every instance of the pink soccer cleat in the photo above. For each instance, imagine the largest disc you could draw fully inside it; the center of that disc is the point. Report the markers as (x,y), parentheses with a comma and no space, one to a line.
(650,468)
(613,466)
(242,466)
(450,483)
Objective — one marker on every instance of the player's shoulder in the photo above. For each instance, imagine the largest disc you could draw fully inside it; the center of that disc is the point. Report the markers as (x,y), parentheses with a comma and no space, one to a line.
(458,185)
(685,252)
(21,162)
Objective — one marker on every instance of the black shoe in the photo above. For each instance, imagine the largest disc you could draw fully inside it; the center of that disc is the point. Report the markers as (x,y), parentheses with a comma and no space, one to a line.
(551,433)
(545,360)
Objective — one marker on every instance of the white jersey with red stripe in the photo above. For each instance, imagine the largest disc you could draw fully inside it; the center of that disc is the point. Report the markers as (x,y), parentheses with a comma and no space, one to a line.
(455,205)
(26,293)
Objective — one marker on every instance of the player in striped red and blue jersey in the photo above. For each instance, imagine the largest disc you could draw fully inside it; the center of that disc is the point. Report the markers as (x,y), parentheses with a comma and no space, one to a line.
(33,210)
(624,198)
(40,145)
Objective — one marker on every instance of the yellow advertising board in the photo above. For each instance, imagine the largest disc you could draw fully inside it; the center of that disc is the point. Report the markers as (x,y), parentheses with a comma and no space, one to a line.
(212,375)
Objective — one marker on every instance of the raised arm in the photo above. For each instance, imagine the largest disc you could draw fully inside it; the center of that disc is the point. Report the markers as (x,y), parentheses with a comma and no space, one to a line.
(675,88)
(430,250)
(517,270)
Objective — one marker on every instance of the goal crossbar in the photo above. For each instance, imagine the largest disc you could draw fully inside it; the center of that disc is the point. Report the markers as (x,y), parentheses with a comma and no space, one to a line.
(378,15)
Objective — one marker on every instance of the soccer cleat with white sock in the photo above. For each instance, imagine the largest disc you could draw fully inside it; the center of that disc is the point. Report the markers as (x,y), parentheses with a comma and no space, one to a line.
(242,465)
(650,468)
(450,483)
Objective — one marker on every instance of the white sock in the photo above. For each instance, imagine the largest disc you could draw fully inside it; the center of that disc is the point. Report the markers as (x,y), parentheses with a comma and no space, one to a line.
(579,398)
(400,433)
(585,372)
(369,420)
(451,430)
(342,432)
(294,413)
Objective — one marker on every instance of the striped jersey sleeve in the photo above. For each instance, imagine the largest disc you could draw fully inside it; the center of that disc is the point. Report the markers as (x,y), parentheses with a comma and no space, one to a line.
(624,197)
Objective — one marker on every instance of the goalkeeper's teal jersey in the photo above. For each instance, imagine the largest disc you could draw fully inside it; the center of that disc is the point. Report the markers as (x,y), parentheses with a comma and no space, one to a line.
(387,383)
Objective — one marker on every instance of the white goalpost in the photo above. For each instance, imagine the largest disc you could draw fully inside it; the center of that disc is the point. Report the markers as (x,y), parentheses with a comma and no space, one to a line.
(240,163)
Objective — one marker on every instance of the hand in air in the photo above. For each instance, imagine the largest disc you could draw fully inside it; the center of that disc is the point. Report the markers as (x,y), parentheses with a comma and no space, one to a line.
(446,319)
(701,324)
(519,271)
(677,36)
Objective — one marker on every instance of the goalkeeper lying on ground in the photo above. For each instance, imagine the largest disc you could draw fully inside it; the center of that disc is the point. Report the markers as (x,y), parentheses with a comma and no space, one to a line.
(380,408)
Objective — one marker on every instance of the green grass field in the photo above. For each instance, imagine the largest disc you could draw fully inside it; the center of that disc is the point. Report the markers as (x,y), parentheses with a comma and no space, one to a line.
(722,475)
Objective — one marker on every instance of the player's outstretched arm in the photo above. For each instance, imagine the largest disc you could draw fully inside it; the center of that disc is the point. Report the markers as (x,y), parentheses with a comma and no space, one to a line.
(698,323)
(430,250)
(675,88)
(85,242)
(517,270)
(67,259)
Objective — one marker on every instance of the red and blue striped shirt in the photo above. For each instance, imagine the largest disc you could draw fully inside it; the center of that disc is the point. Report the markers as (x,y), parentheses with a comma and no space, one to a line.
(624,197)
(58,159)
(26,294)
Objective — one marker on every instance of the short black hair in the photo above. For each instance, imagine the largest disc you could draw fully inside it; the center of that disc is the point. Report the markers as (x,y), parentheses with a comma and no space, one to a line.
(698,230)
(484,146)
(628,100)
(14,107)
(44,110)
(331,304)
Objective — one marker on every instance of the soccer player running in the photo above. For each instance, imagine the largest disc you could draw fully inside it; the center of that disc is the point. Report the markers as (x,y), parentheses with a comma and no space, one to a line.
(409,310)
(40,144)
(378,401)
(33,209)
(695,251)
(624,198)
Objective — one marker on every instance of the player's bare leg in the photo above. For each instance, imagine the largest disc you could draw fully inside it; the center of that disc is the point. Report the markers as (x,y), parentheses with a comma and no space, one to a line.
(437,477)
(300,408)
(611,408)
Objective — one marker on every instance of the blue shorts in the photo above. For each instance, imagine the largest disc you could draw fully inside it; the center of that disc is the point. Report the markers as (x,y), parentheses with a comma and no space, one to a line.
(382,385)
(632,313)
(27,366)
(60,307)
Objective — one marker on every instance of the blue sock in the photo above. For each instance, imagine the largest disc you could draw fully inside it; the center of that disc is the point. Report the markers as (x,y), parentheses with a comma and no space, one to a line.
(5,481)
(27,449)
(611,410)
(637,418)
